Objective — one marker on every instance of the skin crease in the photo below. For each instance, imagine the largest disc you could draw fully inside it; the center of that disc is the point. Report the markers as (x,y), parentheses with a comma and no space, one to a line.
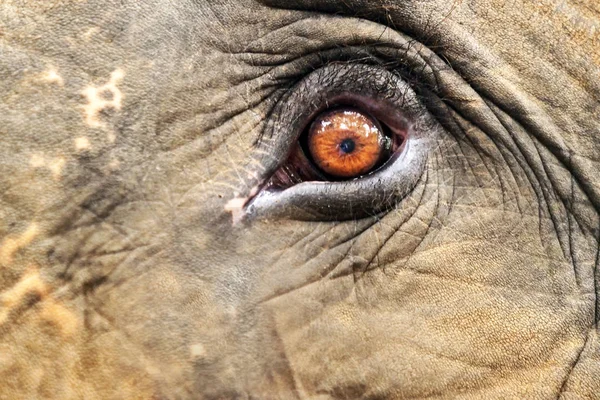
(128,139)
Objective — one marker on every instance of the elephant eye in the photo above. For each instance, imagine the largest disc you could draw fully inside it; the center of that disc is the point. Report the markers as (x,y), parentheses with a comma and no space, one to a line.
(341,143)
(348,141)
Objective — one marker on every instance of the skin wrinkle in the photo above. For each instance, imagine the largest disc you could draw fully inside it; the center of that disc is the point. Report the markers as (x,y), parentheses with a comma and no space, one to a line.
(496,172)
(396,229)
(558,230)
(315,280)
(512,174)
(554,144)
(543,164)
(371,258)
(561,390)
(529,180)
(335,266)
(11,245)
(554,219)
(353,239)
(350,241)
(596,270)
(508,130)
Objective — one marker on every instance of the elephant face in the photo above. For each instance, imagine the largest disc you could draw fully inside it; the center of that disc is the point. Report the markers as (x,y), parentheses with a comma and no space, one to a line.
(162,238)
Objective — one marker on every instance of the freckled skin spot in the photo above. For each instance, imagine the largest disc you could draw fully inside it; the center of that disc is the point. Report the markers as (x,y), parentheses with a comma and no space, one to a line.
(114,165)
(29,285)
(197,350)
(30,282)
(90,32)
(60,316)
(102,97)
(236,207)
(37,161)
(12,244)
(82,143)
(55,165)
(52,76)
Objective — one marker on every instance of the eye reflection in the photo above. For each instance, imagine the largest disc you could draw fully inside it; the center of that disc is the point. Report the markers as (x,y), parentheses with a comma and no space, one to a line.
(346,143)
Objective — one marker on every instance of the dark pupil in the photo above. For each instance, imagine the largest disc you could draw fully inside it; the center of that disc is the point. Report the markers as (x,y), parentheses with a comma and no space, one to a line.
(347,145)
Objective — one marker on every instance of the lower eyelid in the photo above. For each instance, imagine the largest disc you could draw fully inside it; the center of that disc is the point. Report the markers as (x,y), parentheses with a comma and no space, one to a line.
(342,200)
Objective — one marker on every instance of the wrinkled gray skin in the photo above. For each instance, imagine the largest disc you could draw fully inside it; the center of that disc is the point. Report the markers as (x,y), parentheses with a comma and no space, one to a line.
(129,141)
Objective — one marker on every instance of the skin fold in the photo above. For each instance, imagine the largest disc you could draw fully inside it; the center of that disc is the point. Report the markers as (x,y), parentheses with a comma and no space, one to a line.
(133,135)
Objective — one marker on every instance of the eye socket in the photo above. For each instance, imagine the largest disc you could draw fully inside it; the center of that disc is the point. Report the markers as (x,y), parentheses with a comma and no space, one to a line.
(346,143)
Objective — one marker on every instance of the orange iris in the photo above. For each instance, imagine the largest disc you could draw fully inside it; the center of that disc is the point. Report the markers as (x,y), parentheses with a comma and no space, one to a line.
(345,143)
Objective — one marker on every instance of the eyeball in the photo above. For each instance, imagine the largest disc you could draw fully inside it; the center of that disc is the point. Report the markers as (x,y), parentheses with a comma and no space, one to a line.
(346,143)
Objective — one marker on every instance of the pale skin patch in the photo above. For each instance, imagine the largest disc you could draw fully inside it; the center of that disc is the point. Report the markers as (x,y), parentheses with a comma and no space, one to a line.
(55,165)
(52,76)
(236,205)
(114,164)
(167,284)
(30,284)
(197,351)
(51,311)
(12,244)
(102,97)
(82,143)
(37,161)
(60,316)
(90,32)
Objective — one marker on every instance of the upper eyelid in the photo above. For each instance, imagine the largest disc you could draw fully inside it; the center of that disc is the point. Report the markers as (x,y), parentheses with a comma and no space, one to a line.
(342,56)
(323,83)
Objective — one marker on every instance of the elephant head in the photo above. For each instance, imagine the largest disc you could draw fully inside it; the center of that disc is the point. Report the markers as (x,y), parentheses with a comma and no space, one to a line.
(174,225)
